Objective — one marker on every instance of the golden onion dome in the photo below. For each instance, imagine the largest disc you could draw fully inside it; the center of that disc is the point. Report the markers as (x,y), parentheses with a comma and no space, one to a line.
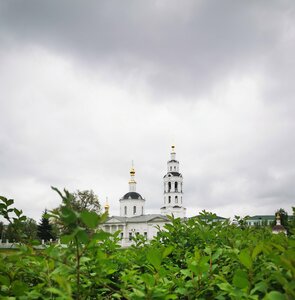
(132,171)
(173,148)
(107,206)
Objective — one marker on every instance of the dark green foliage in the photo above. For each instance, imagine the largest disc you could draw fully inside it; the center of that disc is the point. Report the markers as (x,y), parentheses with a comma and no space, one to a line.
(80,201)
(194,259)
(45,228)
(26,229)
(2,231)
(284,217)
(15,219)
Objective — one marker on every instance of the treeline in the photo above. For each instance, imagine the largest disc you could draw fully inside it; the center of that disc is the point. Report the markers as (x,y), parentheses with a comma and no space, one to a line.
(47,229)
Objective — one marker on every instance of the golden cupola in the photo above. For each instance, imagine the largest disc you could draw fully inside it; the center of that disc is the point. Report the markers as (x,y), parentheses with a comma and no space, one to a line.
(107,206)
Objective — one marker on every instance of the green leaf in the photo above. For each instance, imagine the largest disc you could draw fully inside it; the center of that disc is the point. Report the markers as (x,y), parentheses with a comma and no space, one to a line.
(257,250)
(197,254)
(18,287)
(171,296)
(154,257)
(57,190)
(17,212)
(139,294)
(90,218)
(225,287)
(240,279)
(274,295)
(100,236)
(245,258)
(260,286)
(148,279)
(55,291)
(84,259)
(68,215)
(186,272)
(167,251)
(65,239)
(35,242)
(22,218)
(4,280)
(9,202)
(3,199)
(82,236)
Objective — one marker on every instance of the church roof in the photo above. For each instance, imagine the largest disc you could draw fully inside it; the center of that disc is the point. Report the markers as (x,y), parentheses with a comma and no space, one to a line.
(173,173)
(138,219)
(132,195)
(278,228)
(262,217)
(173,160)
(214,218)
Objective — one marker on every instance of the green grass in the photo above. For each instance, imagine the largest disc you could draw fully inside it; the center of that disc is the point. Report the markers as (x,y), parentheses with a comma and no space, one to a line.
(7,251)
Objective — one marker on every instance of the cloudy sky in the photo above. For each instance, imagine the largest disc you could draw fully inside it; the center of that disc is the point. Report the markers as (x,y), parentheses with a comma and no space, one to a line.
(88,86)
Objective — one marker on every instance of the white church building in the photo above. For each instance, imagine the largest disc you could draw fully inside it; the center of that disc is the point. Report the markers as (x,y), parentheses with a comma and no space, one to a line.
(133,219)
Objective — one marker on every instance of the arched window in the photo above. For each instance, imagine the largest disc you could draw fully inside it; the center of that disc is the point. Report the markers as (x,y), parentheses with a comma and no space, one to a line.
(176,186)
(169,186)
(175,168)
(176,199)
(169,199)
(125,210)
(170,168)
(134,210)
(142,210)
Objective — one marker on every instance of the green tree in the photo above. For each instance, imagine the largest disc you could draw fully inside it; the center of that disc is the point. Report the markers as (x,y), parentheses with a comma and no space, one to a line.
(44,228)
(27,230)
(30,229)
(15,219)
(78,201)
(2,230)
(85,200)
(11,233)
(284,217)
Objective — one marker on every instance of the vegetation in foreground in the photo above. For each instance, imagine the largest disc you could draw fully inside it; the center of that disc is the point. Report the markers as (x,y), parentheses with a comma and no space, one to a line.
(196,259)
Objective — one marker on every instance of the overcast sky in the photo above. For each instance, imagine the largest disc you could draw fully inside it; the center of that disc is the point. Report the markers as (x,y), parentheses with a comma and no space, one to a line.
(88,86)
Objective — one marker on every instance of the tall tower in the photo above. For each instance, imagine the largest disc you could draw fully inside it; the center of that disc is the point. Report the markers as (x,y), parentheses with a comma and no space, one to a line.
(173,192)
(132,203)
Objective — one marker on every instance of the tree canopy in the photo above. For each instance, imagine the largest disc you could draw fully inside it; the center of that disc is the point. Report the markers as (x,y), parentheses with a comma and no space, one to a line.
(45,228)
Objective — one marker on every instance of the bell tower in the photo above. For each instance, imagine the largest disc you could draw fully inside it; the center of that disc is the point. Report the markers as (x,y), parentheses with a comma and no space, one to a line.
(173,192)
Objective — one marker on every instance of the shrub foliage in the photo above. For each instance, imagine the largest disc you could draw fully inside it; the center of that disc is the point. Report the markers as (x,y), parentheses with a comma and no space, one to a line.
(193,259)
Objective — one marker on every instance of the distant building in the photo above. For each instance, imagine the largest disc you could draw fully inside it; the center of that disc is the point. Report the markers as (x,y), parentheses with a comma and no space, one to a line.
(213,219)
(260,220)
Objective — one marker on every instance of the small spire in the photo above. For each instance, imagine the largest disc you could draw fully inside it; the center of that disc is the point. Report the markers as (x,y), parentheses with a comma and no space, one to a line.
(107,206)
(132,182)
(173,154)
(132,173)
(173,148)
(278,219)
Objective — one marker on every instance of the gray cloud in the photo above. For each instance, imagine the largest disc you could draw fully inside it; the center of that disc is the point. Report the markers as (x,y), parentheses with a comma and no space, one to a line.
(182,48)
(88,87)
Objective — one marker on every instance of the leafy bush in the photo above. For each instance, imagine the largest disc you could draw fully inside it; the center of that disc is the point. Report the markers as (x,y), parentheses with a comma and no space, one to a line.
(193,259)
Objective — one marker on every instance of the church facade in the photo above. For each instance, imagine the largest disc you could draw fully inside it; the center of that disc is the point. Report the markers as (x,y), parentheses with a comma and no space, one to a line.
(133,219)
